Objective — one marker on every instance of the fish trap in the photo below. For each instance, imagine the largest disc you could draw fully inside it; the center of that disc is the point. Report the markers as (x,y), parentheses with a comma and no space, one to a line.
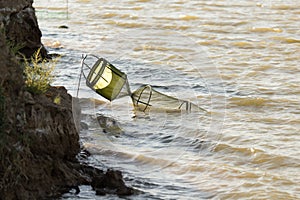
(111,83)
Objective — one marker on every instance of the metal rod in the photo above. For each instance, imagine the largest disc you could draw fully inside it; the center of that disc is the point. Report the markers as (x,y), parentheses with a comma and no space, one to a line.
(81,72)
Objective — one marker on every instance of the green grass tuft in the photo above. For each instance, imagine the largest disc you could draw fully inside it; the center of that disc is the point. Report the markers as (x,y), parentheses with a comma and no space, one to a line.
(39,73)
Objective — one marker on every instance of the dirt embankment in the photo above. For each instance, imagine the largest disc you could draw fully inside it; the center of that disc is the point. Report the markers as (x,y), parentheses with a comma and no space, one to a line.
(39,144)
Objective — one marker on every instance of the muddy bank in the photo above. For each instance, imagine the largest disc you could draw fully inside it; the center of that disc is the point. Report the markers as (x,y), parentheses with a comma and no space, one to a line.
(39,144)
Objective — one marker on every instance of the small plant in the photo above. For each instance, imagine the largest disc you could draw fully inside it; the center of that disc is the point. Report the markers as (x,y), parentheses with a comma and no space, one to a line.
(57,100)
(14,48)
(39,73)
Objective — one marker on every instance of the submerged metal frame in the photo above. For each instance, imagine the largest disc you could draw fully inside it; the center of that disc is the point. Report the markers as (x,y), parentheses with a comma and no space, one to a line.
(138,100)
(188,105)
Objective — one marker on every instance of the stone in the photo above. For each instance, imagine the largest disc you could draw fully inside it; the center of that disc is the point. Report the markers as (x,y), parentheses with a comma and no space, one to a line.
(63,27)
(21,26)
(110,183)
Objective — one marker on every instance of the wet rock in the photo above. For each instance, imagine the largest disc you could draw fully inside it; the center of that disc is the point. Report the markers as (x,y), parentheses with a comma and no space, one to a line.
(84,154)
(84,126)
(63,27)
(109,125)
(110,183)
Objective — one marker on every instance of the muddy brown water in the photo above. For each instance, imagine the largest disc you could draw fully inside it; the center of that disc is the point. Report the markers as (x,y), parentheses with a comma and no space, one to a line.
(237,59)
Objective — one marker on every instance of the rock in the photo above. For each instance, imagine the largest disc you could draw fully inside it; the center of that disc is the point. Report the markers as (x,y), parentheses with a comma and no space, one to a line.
(55,124)
(39,142)
(63,27)
(109,125)
(28,98)
(21,26)
(84,154)
(84,126)
(110,183)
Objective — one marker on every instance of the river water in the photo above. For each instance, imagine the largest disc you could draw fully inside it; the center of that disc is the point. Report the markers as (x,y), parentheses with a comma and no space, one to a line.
(236,59)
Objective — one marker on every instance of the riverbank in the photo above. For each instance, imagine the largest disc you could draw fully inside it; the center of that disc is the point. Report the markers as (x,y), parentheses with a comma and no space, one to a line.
(39,143)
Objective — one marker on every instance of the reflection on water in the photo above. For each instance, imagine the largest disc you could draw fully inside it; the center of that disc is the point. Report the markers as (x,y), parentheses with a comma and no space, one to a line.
(237,59)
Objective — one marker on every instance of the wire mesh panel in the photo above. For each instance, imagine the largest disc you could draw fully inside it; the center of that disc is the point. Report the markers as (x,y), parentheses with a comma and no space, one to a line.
(146,98)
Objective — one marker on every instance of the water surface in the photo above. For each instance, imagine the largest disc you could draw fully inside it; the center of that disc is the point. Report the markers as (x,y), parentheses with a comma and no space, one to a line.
(237,59)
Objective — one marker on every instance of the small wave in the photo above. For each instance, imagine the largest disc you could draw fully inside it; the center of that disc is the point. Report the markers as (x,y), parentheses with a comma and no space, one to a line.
(215,30)
(149,47)
(109,15)
(143,159)
(265,30)
(286,40)
(118,8)
(249,101)
(125,24)
(116,15)
(275,161)
(188,17)
(84,1)
(143,1)
(175,27)
(258,157)
(264,67)
(225,23)
(285,7)
(245,45)
(242,150)
(210,42)
(180,17)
